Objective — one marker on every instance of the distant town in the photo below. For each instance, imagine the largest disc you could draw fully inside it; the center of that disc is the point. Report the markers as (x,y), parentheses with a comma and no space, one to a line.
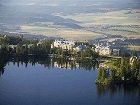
(116,47)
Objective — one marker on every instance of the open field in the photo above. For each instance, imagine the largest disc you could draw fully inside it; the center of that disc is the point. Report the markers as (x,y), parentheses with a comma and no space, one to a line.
(67,33)
(123,22)
(94,25)
(122,17)
(74,19)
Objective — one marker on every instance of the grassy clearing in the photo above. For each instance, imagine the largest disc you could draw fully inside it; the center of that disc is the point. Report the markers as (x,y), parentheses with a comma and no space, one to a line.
(67,33)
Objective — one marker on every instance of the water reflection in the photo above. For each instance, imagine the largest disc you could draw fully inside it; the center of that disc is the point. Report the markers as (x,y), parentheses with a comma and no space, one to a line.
(87,65)
(3,62)
(114,89)
(58,63)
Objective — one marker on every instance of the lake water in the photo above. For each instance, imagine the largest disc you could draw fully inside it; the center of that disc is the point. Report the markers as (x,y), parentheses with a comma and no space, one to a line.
(40,83)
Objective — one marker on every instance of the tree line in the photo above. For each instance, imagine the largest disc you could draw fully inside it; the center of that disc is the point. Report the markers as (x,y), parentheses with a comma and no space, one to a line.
(21,47)
(26,47)
(124,70)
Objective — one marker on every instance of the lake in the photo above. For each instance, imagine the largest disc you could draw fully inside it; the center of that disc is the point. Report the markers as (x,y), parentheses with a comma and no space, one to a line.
(52,82)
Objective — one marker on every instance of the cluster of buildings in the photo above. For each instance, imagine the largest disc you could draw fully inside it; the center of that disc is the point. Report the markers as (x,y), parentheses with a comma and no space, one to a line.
(67,45)
(64,44)
(101,49)
(107,50)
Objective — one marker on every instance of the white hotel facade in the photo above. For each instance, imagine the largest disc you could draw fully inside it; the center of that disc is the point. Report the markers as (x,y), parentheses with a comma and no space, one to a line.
(64,44)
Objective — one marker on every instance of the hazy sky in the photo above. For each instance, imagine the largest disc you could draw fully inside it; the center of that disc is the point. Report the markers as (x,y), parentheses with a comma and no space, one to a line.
(59,1)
